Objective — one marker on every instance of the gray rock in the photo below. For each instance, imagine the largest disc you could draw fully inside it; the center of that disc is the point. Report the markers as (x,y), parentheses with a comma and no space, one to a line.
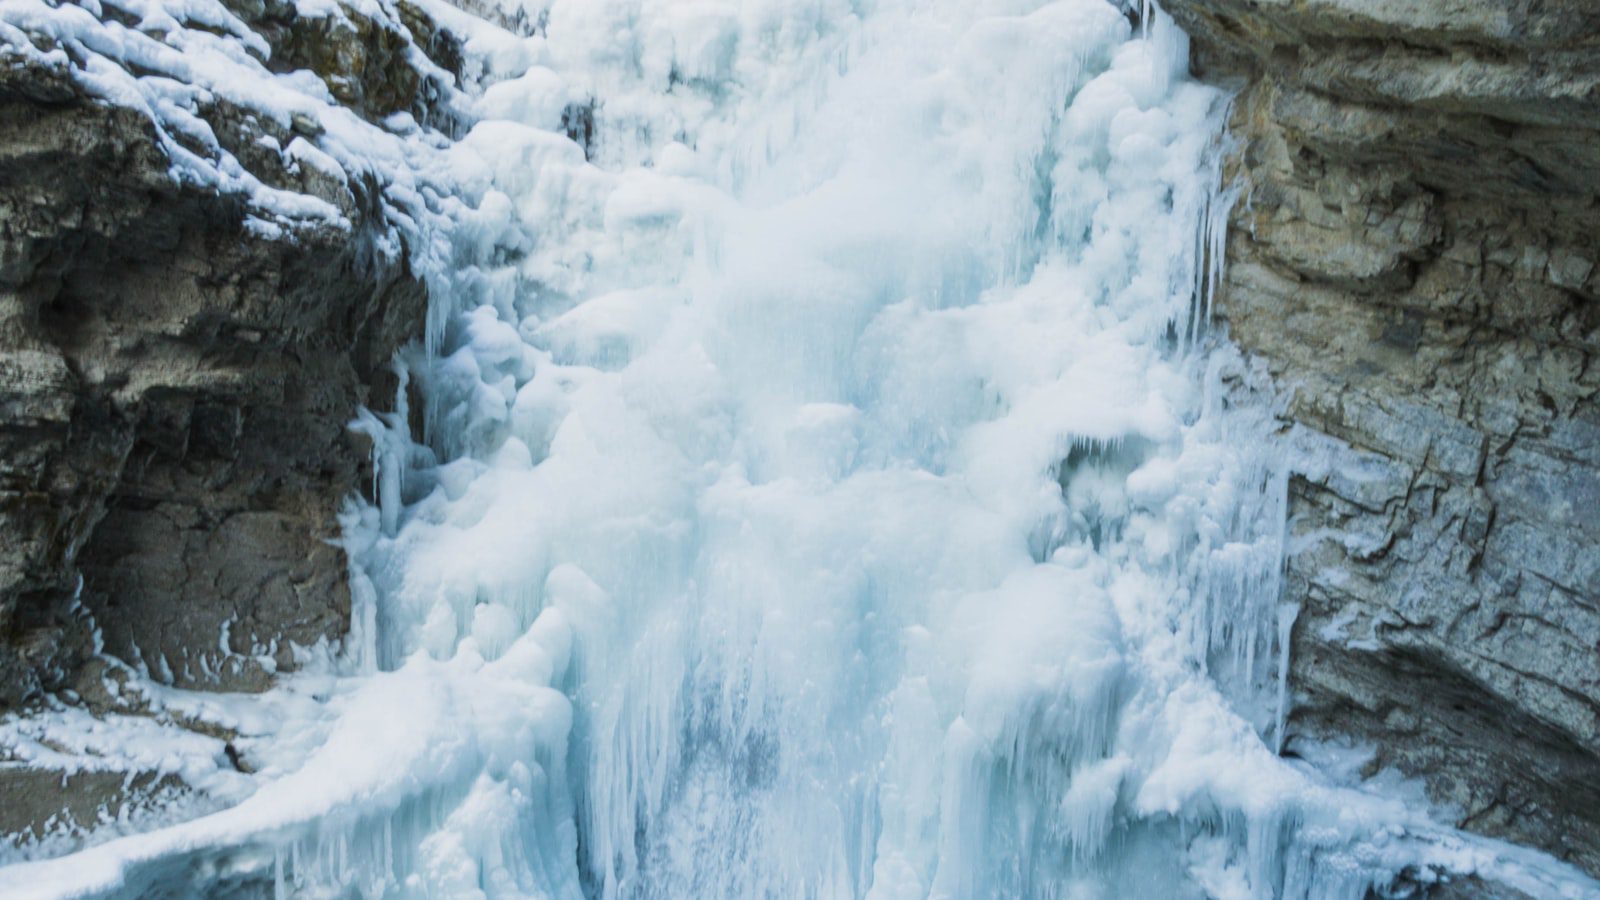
(1415,255)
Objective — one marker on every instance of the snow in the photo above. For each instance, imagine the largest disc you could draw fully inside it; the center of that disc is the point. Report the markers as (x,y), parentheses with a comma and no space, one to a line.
(832,485)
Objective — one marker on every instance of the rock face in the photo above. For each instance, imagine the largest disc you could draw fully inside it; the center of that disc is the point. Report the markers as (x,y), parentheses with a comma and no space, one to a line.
(177,380)
(1414,253)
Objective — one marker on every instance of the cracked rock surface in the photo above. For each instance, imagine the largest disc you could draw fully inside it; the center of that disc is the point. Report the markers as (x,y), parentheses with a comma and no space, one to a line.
(1416,253)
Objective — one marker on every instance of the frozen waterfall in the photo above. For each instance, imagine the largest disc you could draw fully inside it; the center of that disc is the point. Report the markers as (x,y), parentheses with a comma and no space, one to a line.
(831,487)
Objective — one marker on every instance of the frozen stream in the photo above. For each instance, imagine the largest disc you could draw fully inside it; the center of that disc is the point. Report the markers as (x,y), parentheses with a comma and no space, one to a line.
(832,488)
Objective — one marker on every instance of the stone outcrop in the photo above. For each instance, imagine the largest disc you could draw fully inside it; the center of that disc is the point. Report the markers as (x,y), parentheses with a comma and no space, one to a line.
(40,804)
(1416,254)
(176,381)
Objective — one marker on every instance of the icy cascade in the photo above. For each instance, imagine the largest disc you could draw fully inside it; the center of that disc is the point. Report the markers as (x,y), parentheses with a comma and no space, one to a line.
(848,417)
(830,490)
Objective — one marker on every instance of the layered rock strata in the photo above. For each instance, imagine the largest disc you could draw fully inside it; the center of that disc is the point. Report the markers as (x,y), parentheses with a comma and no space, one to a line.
(1416,254)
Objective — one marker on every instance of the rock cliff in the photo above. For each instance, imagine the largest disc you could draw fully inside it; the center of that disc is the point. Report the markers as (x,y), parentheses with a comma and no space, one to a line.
(210,225)
(1414,253)
(195,297)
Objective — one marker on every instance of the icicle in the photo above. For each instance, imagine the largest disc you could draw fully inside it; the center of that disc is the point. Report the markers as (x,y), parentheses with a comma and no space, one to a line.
(1287,614)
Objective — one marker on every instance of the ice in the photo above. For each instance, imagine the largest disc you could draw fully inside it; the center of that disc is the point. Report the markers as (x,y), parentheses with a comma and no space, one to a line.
(832,486)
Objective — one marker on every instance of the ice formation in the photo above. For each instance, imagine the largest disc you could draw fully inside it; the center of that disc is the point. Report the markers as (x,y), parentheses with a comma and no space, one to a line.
(831,488)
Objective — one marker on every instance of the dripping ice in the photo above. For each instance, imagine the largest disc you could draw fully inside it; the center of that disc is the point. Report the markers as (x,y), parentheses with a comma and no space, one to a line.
(831,485)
